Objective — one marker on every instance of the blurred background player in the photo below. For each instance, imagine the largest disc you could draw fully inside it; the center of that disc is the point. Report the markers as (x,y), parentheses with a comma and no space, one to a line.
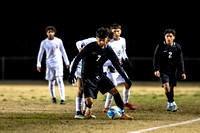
(118,44)
(93,56)
(80,100)
(167,59)
(55,54)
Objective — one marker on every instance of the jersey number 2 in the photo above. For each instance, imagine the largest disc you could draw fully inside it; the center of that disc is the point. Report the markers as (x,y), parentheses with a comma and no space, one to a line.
(170,54)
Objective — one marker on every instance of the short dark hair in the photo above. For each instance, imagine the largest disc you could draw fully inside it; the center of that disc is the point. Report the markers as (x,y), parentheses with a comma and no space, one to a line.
(115,26)
(50,28)
(102,32)
(170,31)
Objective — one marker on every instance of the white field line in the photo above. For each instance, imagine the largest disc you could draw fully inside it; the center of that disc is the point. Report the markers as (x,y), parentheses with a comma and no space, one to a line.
(164,126)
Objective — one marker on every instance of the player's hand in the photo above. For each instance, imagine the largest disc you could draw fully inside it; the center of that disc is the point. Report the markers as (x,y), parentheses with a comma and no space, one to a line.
(39,69)
(157,73)
(183,77)
(71,79)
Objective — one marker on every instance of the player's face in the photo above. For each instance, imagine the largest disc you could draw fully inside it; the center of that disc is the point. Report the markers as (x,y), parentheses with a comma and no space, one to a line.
(169,38)
(50,34)
(102,41)
(116,33)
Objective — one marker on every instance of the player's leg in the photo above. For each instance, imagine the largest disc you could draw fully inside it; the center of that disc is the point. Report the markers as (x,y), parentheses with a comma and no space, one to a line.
(50,77)
(89,104)
(79,99)
(126,95)
(52,90)
(169,96)
(61,88)
(119,103)
(106,85)
(109,99)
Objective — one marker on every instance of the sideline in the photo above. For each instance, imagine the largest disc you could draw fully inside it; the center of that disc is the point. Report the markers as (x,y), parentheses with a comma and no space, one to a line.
(164,126)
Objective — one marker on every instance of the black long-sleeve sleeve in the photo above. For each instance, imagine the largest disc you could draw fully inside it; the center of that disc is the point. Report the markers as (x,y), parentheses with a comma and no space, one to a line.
(156,59)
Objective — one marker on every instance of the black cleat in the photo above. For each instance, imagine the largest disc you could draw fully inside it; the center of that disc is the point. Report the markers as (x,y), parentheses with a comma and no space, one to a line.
(54,100)
(62,102)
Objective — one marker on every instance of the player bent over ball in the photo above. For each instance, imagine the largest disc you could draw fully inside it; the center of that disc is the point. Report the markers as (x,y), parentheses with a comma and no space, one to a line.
(93,56)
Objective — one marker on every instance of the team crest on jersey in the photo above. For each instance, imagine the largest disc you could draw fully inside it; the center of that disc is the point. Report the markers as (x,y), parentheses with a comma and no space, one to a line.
(122,47)
(56,46)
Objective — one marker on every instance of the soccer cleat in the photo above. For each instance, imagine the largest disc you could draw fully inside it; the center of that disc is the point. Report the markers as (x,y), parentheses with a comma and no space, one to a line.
(62,102)
(79,115)
(174,108)
(54,100)
(126,117)
(105,110)
(129,105)
(169,108)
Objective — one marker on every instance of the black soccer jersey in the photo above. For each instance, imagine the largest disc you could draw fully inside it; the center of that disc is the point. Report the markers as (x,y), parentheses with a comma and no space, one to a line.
(168,59)
(93,58)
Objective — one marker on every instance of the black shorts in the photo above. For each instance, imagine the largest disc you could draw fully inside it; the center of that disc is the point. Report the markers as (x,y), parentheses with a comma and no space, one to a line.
(168,78)
(92,85)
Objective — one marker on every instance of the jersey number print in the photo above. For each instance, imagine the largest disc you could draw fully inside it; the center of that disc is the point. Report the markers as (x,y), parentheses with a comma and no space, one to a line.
(99,56)
(170,54)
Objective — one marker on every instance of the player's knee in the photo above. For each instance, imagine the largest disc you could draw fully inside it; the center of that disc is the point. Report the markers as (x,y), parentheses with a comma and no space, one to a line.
(89,102)
(113,91)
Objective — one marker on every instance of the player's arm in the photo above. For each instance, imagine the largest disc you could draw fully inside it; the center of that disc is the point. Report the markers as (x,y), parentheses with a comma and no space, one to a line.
(156,61)
(64,55)
(80,44)
(181,64)
(76,61)
(114,59)
(39,57)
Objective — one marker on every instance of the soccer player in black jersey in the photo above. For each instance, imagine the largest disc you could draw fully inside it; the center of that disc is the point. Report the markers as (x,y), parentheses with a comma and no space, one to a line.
(93,56)
(167,59)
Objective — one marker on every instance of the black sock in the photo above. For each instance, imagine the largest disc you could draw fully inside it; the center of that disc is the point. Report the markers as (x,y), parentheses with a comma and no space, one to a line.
(118,101)
(172,91)
(169,97)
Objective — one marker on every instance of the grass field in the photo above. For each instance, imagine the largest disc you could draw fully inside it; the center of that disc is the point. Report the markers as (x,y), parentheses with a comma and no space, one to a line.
(25,106)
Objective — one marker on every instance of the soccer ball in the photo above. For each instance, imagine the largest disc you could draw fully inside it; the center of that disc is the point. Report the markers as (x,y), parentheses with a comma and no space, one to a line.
(114,112)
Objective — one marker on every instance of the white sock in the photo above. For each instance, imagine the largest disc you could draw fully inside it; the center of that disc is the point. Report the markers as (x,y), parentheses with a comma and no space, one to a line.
(52,88)
(126,95)
(78,103)
(174,103)
(61,87)
(84,105)
(109,99)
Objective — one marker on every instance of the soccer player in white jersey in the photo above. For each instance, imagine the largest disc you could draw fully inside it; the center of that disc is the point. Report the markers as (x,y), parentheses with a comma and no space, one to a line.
(55,54)
(118,44)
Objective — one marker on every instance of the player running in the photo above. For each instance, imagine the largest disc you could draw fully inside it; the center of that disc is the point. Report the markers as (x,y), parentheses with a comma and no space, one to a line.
(93,56)
(118,44)
(54,49)
(167,59)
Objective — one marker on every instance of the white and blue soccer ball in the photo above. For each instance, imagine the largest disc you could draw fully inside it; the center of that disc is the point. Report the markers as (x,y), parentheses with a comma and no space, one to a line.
(114,112)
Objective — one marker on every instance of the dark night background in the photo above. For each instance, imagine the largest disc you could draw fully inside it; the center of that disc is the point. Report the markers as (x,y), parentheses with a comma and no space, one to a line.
(143,24)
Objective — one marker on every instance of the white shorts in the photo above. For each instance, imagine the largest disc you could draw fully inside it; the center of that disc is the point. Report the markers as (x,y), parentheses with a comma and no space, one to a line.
(116,78)
(52,73)
(78,72)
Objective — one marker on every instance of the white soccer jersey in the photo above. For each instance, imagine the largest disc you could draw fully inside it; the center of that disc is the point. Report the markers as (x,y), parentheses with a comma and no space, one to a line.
(54,52)
(83,43)
(119,47)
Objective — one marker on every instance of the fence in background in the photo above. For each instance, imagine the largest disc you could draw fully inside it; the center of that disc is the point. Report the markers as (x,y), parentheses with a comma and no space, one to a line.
(25,68)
